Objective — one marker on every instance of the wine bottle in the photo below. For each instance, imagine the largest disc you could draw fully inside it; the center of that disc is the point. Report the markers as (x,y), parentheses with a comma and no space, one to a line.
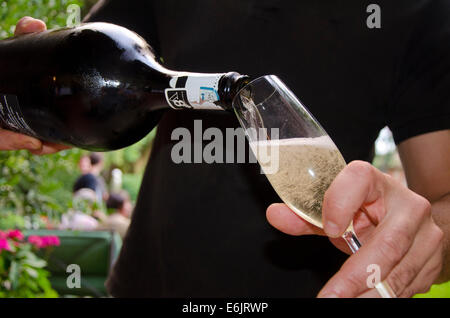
(97,86)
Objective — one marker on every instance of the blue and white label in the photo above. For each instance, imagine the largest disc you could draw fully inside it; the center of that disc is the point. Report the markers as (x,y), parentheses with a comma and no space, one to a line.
(195,90)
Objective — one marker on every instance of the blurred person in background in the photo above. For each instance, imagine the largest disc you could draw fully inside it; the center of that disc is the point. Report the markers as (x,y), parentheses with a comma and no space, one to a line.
(84,164)
(80,218)
(91,167)
(97,165)
(119,209)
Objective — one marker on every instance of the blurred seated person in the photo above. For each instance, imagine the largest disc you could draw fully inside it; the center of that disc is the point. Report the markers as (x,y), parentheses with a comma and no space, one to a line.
(84,164)
(119,207)
(91,166)
(78,218)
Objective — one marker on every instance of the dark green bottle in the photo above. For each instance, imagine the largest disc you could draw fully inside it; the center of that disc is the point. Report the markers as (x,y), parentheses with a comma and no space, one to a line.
(97,86)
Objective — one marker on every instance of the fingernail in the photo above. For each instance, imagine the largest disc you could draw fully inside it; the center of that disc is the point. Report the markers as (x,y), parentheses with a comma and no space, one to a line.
(332,229)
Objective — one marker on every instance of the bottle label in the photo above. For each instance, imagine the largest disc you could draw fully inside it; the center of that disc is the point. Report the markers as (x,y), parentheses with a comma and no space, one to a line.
(11,117)
(198,91)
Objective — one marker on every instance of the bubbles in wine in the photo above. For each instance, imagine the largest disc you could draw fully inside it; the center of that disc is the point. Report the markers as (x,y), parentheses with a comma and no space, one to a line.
(306,168)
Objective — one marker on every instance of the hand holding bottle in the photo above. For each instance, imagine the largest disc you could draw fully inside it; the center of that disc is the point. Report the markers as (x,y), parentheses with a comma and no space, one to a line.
(97,86)
(13,141)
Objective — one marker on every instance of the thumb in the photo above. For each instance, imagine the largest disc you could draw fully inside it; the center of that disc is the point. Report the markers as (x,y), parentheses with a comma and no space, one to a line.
(281,217)
(29,25)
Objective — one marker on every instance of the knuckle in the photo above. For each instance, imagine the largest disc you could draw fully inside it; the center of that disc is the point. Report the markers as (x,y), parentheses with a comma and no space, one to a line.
(20,25)
(392,246)
(331,203)
(438,235)
(22,20)
(422,206)
(401,278)
(428,277)
(361,168)
(423,290)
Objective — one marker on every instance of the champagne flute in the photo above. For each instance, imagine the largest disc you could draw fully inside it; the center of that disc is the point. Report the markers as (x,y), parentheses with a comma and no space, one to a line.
(294,151)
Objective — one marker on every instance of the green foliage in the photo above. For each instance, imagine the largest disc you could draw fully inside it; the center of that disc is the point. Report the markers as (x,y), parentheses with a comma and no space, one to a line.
(32,185)
(12,220)
(22,272)
(35,186)
(129,159)
(37,190)
(132,161)
(132,184)
(52,12)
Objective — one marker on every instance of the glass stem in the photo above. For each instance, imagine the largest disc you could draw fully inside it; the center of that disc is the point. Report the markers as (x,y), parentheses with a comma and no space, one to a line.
(352,241)
(383,287)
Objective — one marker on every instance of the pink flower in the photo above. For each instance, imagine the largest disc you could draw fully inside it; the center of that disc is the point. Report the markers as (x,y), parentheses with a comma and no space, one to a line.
(50,240)
(55,240)
(44,241)
(15,234)
(35,240)
(3,235)
(4,245)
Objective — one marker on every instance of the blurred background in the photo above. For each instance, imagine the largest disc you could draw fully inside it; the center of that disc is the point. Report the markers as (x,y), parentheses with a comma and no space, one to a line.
(38,198)
(24,197)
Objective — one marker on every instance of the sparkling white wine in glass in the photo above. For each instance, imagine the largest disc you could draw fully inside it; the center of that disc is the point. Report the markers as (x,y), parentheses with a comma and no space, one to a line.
(305,168)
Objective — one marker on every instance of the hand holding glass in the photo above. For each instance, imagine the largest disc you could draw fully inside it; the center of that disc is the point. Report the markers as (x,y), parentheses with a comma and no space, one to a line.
(294,151)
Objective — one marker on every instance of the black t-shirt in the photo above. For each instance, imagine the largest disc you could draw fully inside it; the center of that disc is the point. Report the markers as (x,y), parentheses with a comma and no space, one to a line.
(199,229)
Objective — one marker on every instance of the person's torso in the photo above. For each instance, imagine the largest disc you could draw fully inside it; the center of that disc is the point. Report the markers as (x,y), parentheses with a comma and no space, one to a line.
(203,225)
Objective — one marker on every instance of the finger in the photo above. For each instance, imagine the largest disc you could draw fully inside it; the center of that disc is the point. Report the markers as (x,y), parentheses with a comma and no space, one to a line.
(363,225)
(284,219)
(427,241)
(426,277)
(419,268)
(413,274)
(421,283)
(358,183)
(29,25)
(14,141)
(50,148)
(370,293)
(386,247)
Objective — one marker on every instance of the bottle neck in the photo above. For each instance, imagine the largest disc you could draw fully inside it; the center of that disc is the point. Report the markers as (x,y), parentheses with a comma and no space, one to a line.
(230,84)
(204,91)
